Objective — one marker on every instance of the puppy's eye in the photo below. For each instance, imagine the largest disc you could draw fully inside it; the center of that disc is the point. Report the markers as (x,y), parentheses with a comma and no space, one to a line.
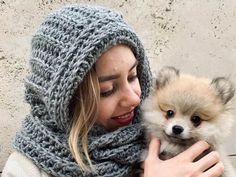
(196,120)
(170,114)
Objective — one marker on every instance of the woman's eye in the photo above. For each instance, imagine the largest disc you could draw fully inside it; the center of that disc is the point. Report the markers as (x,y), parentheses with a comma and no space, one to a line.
(132,78)
(108,93)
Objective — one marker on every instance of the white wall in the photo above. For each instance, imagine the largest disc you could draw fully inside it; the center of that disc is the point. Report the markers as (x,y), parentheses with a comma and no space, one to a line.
(198,37)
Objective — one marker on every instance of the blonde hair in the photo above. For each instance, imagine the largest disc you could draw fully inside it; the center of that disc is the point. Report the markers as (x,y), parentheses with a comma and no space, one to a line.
(84,107)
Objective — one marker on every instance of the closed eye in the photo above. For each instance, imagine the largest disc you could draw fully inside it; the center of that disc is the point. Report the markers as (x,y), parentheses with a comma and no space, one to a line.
(132,78)
(108,92)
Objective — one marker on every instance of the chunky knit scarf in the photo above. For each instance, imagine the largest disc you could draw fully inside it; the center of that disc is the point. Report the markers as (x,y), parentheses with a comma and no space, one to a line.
(64,48)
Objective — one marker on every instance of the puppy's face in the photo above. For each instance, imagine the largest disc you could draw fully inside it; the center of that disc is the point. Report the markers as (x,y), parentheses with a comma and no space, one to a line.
(183,109)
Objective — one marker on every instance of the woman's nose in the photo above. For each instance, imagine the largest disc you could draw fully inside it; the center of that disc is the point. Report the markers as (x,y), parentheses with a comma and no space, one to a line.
(130,97)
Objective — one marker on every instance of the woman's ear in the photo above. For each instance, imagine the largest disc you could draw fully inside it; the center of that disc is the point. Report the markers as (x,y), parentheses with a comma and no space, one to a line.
(224,88)
(166,75)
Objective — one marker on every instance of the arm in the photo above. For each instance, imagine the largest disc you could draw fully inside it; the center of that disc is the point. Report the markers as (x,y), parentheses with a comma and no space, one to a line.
(183,165)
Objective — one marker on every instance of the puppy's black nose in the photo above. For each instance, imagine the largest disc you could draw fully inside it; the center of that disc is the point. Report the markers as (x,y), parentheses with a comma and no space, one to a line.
(177,129)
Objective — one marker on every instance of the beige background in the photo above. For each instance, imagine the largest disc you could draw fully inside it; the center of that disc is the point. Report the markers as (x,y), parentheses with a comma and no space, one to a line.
(197,36)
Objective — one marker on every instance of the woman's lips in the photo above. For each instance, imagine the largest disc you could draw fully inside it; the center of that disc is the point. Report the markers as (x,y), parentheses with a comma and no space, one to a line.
(125,119)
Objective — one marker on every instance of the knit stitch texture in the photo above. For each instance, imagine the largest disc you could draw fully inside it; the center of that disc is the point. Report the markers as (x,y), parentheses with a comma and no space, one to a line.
(64,48)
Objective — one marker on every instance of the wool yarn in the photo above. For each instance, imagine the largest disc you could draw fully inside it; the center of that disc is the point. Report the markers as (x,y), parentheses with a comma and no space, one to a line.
(64,48)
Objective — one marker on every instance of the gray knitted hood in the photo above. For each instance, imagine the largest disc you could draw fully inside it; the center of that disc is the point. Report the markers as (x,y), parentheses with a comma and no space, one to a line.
(64,48)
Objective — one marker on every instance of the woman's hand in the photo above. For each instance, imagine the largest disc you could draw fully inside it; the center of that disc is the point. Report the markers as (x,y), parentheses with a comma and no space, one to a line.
(182,165)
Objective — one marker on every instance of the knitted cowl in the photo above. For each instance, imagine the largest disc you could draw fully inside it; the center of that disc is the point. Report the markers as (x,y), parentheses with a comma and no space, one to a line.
(64,48)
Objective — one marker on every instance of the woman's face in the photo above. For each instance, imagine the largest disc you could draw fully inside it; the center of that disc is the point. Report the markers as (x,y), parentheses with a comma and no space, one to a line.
(119,87)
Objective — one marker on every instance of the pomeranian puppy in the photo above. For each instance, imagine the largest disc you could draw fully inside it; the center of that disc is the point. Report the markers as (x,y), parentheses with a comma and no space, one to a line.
(183,109)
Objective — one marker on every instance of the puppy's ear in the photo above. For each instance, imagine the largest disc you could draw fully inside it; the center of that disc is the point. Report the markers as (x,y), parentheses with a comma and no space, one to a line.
(224,88)
(166,75)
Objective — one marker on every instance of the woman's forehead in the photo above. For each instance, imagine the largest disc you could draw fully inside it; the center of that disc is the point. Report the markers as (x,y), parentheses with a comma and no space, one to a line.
(117,58)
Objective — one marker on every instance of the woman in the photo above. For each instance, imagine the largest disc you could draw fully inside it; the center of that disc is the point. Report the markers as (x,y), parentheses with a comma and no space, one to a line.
(88,76)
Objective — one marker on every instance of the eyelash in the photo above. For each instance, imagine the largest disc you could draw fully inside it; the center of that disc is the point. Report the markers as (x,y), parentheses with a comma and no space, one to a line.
(109,92)
(132,78)
(115,87)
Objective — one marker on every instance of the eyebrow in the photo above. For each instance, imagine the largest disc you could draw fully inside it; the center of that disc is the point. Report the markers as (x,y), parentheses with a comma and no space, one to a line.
(115,76)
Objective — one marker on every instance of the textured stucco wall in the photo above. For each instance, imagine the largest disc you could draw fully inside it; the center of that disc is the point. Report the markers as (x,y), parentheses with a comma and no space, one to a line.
(196,36)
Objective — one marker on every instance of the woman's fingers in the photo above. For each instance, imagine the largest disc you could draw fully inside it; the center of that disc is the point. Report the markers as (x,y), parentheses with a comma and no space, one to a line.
(151,164)
(216,170)
(154,148)
(183,164)
(208,165)
(208,161)
(195,150)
